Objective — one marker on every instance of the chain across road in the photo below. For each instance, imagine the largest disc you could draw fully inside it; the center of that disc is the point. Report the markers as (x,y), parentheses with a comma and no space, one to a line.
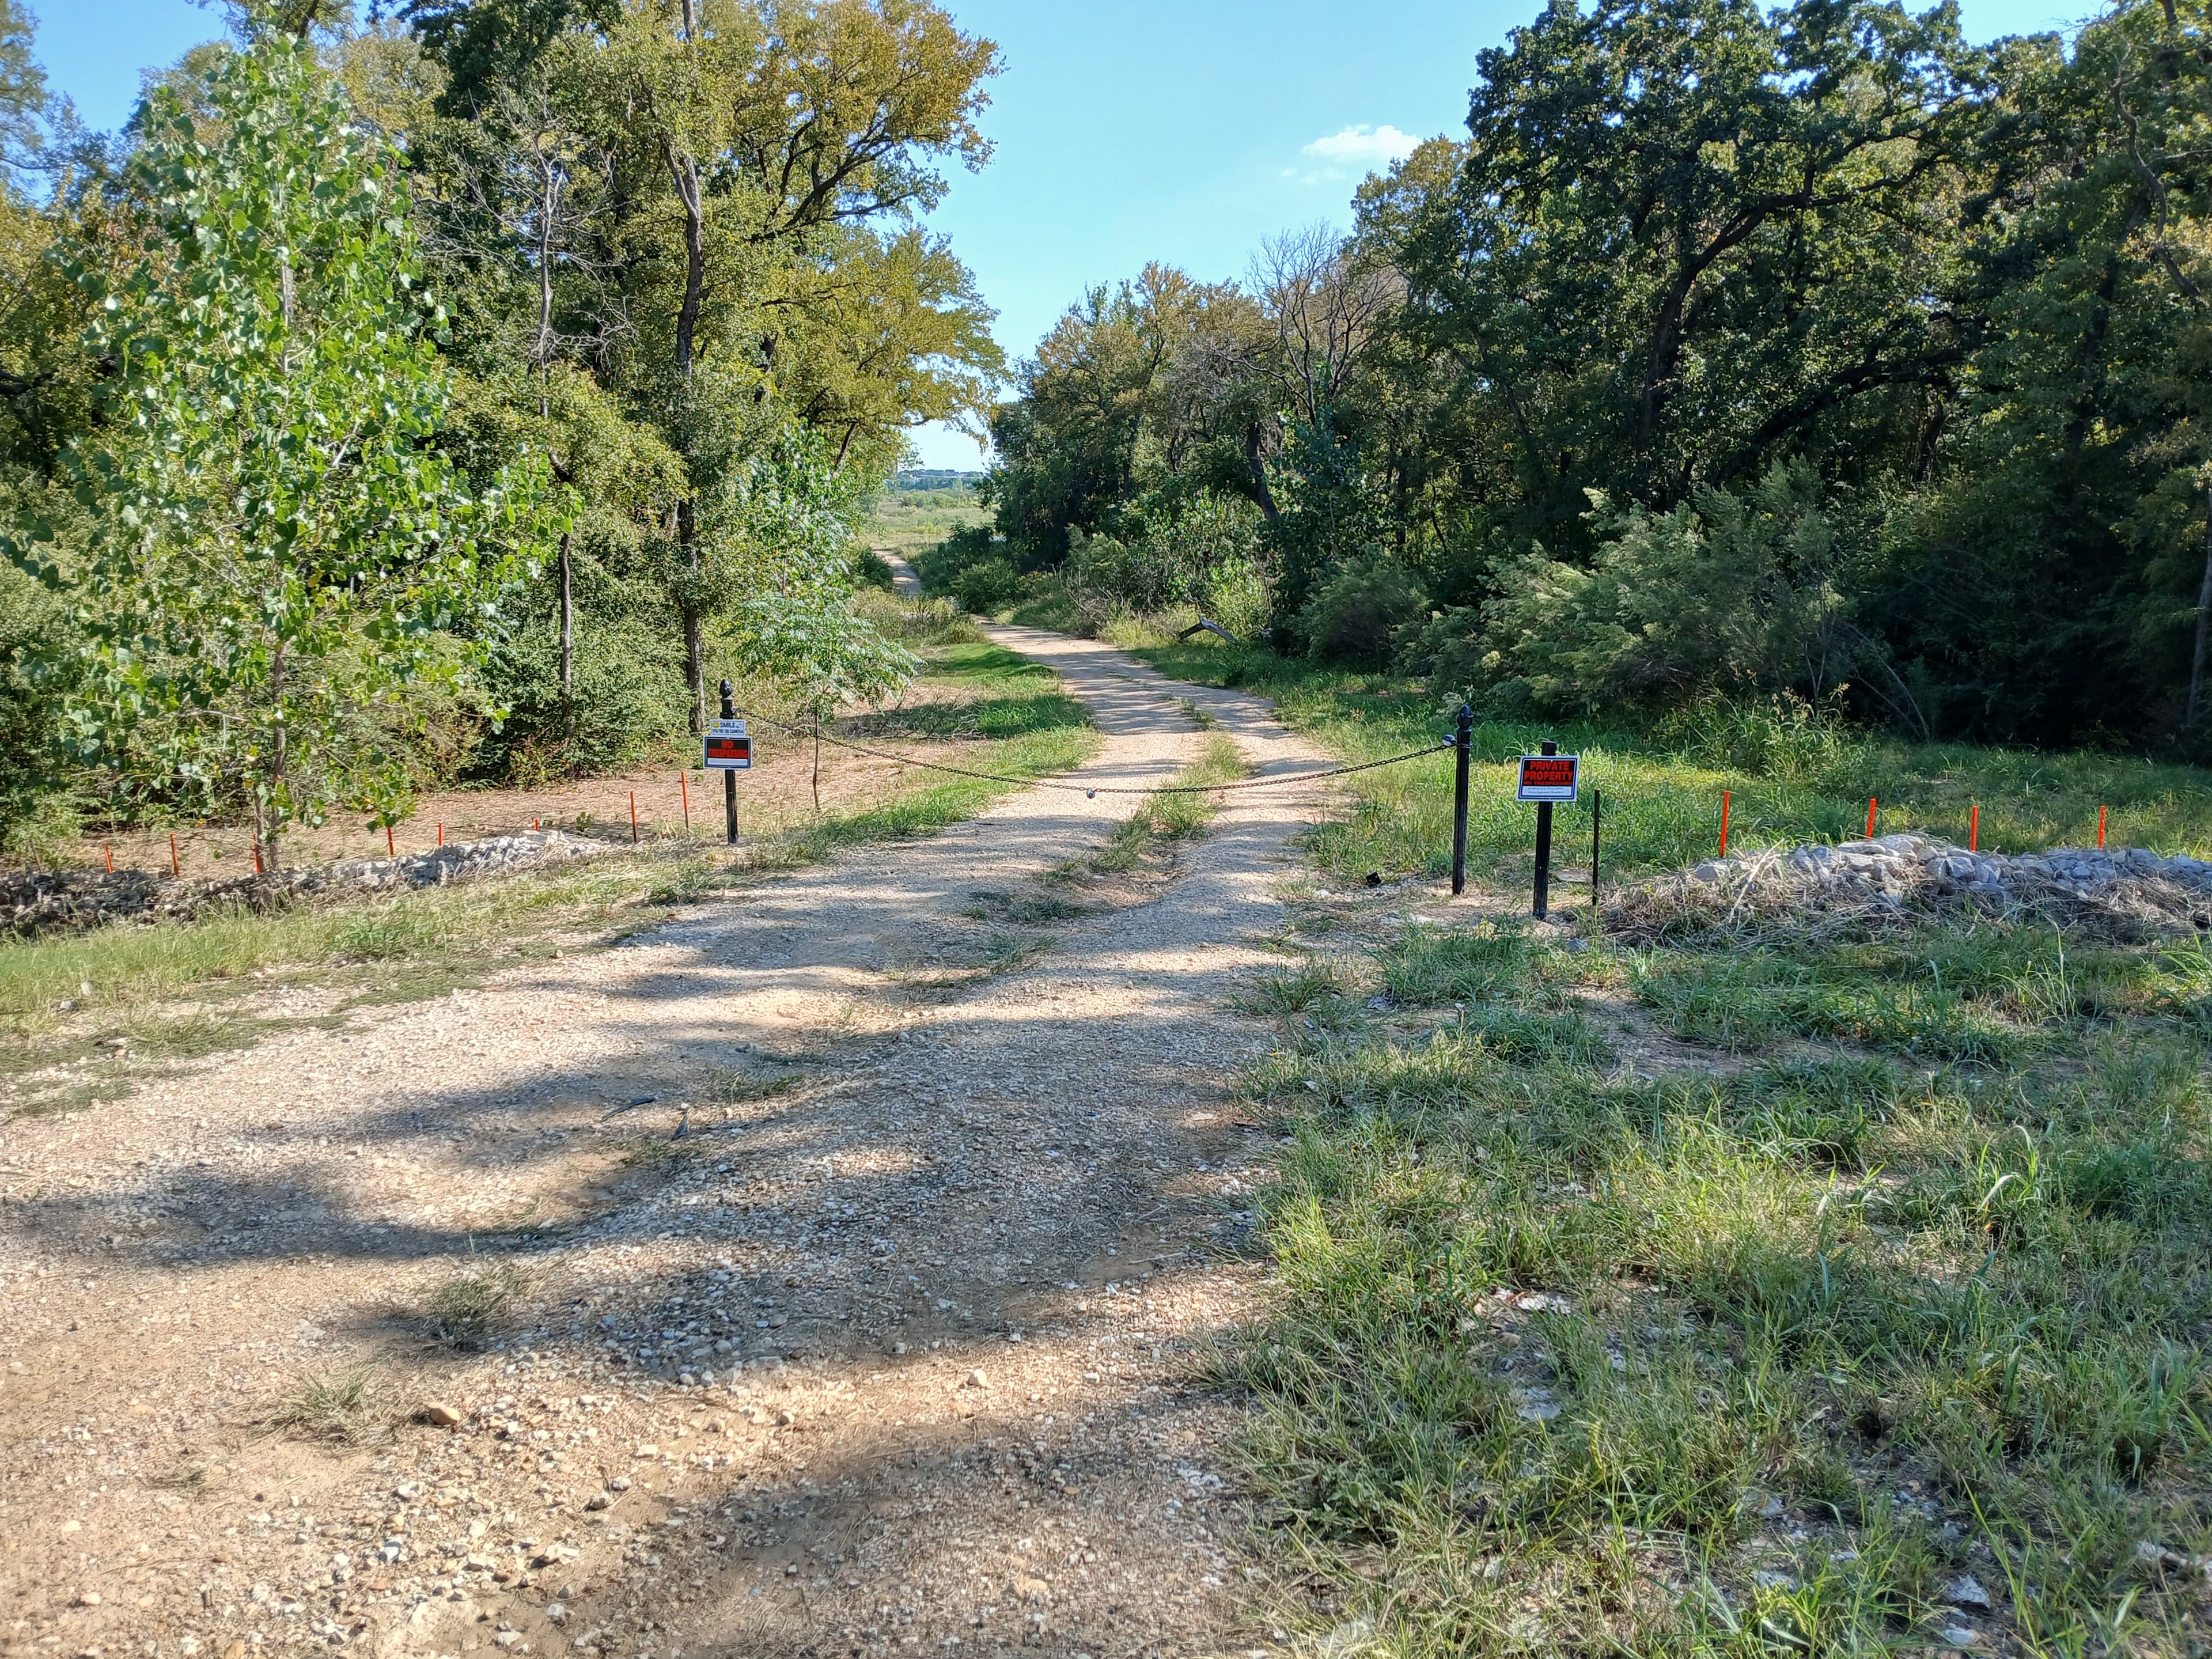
(1089,790)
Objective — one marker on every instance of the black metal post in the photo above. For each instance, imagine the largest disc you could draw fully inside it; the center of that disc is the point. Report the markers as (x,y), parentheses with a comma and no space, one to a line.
(1543,843)
(1597,828)
(730,778)
(1463,734)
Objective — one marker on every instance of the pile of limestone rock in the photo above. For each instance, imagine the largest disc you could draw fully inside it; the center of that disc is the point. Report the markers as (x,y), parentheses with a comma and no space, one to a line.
(1905,875)
(49,901)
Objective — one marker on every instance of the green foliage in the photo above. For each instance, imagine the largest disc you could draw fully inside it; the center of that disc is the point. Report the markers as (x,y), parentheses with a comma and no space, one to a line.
(1538,1323)
(1116,404)
(972,568)
(1881,351)
(1357,614)
(1727,594)
(625,703)
(275,547)
(30,741)
(985,587)
(1175,548)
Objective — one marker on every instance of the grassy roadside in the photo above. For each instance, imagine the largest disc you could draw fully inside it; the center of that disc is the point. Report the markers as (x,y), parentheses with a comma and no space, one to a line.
(144,995)
(1790,782)
(1847,1296)
(1864,1313)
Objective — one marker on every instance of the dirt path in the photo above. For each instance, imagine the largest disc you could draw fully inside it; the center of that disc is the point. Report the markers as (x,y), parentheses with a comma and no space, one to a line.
(892,1350)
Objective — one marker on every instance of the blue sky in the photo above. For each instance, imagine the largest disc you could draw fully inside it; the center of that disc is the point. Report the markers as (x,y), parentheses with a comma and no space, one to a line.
(1183,131)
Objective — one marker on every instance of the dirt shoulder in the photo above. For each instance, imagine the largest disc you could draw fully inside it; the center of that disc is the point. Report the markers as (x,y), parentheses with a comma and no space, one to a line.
(894,1347)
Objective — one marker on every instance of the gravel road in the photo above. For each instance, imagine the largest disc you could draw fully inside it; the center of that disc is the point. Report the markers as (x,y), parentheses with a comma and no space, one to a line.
(894,1349)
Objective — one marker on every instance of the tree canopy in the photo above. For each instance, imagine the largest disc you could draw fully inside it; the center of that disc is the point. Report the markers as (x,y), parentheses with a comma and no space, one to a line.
(461,390)
(1684,250)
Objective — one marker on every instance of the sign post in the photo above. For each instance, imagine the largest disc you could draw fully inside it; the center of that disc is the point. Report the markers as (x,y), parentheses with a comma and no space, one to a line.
(729,750)
(1547,777)
(1597,828)
(1463,741)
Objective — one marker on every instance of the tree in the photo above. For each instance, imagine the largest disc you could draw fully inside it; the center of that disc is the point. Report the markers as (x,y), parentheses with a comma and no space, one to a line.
(773,133)
(277,547)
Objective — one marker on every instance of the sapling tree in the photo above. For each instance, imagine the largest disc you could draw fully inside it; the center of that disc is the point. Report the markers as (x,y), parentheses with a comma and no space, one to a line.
(279,548)
(788,505)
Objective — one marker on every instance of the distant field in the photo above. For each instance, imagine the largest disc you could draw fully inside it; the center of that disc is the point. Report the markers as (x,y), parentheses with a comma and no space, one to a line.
(920,509)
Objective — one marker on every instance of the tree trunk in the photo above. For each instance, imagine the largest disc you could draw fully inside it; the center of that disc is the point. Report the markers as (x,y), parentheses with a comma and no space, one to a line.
(690,605)
(694,663)
(1265,497)
(2203,620)
(685,172)
(549,208)
(567,623)
(270,820)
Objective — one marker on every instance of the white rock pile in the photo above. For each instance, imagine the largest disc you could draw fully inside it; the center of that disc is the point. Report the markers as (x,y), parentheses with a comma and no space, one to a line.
(37,901)
(1903,867)
(1903,875)
(442,867)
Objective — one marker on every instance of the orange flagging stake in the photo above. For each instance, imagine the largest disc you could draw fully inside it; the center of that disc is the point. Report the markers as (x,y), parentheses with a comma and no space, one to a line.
(2100,826)
(633,817)
(1870,804)
(683,782)
(1974,831)
(390,846)
(176,870)
(533,823)
(111,858)
(442,832)
(1724,806)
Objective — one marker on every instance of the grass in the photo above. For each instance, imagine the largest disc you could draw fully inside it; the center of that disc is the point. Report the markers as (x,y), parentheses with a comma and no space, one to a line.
(1883,1266)
(1163,818)
(159,989)
(907,521)
(1903,1277)
(1663,789)
(467,1308)
(344,1407)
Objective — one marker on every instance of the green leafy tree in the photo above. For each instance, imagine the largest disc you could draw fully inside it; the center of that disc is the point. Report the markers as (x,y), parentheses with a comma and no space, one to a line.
(279,548)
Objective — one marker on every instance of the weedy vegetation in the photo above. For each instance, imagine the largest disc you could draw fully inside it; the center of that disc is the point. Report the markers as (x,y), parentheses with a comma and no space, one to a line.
(469,1307)
(1841,1297)
(342,1409)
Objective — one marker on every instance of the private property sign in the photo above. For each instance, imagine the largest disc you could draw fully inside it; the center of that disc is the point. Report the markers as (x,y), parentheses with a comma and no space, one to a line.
(1549,778)
(729,747)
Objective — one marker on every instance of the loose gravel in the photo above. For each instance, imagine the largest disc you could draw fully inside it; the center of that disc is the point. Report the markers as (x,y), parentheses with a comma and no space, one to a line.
(813,1274)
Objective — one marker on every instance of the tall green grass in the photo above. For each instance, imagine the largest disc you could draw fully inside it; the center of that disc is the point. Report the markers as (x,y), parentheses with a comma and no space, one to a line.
(1787,783)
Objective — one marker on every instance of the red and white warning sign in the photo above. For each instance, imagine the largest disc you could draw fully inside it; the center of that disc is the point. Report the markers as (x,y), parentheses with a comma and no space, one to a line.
(1549,777)
(729,747)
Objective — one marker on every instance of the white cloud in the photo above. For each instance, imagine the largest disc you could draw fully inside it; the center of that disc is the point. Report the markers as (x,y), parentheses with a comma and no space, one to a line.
(1362,148)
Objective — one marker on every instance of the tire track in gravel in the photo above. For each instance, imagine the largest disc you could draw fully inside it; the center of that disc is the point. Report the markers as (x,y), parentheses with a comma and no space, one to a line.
(901,1358)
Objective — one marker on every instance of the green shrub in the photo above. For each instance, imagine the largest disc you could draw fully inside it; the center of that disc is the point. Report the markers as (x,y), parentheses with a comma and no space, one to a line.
(1725,593)
(986,587)
(873,570)
(1358,615)
(629,697)
(940,566)
(34,809)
